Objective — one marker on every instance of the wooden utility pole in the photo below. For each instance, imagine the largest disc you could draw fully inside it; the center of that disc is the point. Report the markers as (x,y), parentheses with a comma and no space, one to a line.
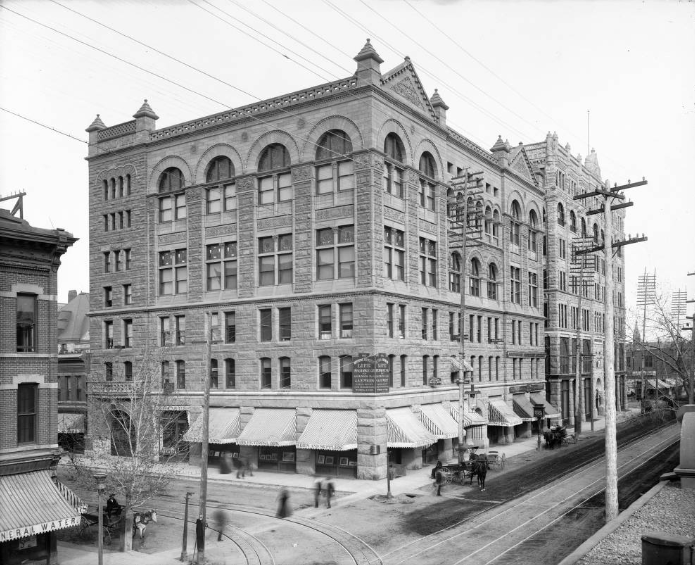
(202,501)
(691,392)
(610,194)
(646,287)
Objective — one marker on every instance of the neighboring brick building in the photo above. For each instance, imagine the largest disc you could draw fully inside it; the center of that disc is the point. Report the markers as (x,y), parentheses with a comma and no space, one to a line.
(33,504)
(73,370)
(566,222)
(314,228)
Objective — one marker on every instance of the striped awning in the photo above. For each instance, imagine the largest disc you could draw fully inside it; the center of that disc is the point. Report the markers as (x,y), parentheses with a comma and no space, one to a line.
(405,430)
(33,504)
(550,410)
(272,427)
(469,418)
(334,430)
(456,365)
(500,414)
(663,383)
(438,421)
(69,423)
(223,427)
(523,407)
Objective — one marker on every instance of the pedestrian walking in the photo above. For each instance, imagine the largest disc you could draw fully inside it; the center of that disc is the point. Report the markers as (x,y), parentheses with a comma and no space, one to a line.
(248,466)
(439,479)
(330,489)
(284,510)
(317,492)
(436,468)
(240,468)
(220,518)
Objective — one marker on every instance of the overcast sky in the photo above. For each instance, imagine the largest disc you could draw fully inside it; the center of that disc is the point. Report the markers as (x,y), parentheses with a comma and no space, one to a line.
(516,69)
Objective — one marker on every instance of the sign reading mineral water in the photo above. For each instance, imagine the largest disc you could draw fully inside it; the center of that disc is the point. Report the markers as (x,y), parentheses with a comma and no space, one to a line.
(370,373)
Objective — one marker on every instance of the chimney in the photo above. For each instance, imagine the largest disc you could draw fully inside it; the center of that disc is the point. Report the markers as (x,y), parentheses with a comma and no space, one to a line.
(145,119)
(440,107)
(72,294)
(368,65)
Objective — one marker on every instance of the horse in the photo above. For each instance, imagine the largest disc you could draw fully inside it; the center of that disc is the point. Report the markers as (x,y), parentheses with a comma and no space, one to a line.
(140,521)
(480,468)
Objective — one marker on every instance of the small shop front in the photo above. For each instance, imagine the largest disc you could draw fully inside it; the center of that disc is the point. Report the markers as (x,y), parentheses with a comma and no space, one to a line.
(501,421)
(223,429)
(437,420)
(273,431)
(405,431)
(332,435)
(33,507)
(551,412)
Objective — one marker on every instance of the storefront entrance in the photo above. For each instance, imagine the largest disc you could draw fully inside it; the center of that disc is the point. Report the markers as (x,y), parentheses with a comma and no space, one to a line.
(277,459)
(336,463)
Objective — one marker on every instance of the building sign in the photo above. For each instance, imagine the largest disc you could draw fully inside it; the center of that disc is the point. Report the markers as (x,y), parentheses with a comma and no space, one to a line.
(370,373)
(26,531)
(538,412)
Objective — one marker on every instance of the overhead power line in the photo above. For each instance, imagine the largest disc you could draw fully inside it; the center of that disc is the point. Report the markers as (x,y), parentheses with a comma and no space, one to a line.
(42,125)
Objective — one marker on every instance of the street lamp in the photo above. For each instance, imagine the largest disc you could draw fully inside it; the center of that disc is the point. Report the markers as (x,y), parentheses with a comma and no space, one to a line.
(101,487)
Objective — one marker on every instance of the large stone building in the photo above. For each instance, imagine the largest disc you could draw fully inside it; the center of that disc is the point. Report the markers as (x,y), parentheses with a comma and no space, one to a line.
(314,228)
(567,227)
(33,504)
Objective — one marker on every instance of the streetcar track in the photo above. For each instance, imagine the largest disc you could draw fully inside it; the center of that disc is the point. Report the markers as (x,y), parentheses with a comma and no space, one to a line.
(570,474)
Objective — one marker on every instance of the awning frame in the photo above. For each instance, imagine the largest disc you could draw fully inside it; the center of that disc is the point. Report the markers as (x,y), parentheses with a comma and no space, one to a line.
(501,415)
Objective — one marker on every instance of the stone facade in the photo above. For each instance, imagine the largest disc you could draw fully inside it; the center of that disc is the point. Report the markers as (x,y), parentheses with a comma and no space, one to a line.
(371,109)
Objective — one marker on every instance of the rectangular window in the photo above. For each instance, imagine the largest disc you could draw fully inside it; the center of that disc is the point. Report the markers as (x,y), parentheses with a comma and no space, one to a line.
(181,374)
(127,294)
(285,323)
(180,322)
(27,396)
(394,254)
(428,262)
(214,374)
(180,206)
(434,325)
(515,285)
(108,334)
(533,289)
(479,330)
(425,368)
(108,297)
(229,373)
(164,333)
(390,320)
(285,373)
(335,259)
(269,257)
(120,220)
(401,321)
(346,372)
(345,320)
(108,371)
(266,373)
(452,328)
(127,371)
(213,204)
(128,217)
(563,248)
(513,332)
(221,266)
(471,327)
(173,272)
(266,324)
(335,176)
(106,222)
(107,261)
(425,324)
(229,327)
(325,322)
(127,333)
(324,372)
(117,261)
(165,212)
(404,363)
(128,262)
(393,180)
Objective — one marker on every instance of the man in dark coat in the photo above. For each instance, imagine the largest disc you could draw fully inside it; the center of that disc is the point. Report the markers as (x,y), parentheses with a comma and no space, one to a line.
(439,480)
(112,506)
(317,492)
(330,489)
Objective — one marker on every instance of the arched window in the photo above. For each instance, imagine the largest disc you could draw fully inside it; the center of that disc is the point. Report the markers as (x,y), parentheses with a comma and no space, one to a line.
(492,281)
(560,214)
(515,232)
(127,184)
(106,189)
(474,278)
(488,222)
(338,175)
(450,204)
(278,186)
(427,165)
(583,227)
(333,144)
(393,147)
(532,231)
(596,233)
(603,240)
(285,372)
(427,187)
(222,196)
(573,221)
(393,175)
(229,373)
(171,179)
(120,187)
(496,226)
(455,272)
(274,156)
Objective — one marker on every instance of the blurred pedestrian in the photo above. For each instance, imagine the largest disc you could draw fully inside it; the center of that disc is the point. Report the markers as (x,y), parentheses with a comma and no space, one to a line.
(436,468)
(284,510)
(330,489)
(240,468)
(248,466)
(317,492)
(221,520)
(439,479)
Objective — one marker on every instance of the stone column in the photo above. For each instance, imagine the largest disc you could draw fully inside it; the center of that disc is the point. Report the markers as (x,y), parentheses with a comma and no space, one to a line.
(371,438)
(305,463)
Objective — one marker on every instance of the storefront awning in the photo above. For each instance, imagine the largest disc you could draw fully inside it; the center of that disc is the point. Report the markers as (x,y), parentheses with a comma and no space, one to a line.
(500,414)
(32,504)
(469,418)
(523,407)
(273,427)
(456,365)
(223,427)
(438,421)
(405,430)
(663,383)
(70,423)
(550,410)
(334,430)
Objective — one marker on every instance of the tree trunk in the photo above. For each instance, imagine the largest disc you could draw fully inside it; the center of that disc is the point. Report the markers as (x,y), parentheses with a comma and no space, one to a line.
(127,527)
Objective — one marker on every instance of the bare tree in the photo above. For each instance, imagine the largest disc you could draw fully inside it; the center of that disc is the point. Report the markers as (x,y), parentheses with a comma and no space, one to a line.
(137,441)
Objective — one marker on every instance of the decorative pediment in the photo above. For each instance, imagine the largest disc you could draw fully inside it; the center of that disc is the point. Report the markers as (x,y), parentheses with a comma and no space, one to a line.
(520,163)
(404,82)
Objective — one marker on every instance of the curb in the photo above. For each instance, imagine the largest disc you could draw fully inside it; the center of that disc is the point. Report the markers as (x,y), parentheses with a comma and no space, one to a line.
(608,529)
